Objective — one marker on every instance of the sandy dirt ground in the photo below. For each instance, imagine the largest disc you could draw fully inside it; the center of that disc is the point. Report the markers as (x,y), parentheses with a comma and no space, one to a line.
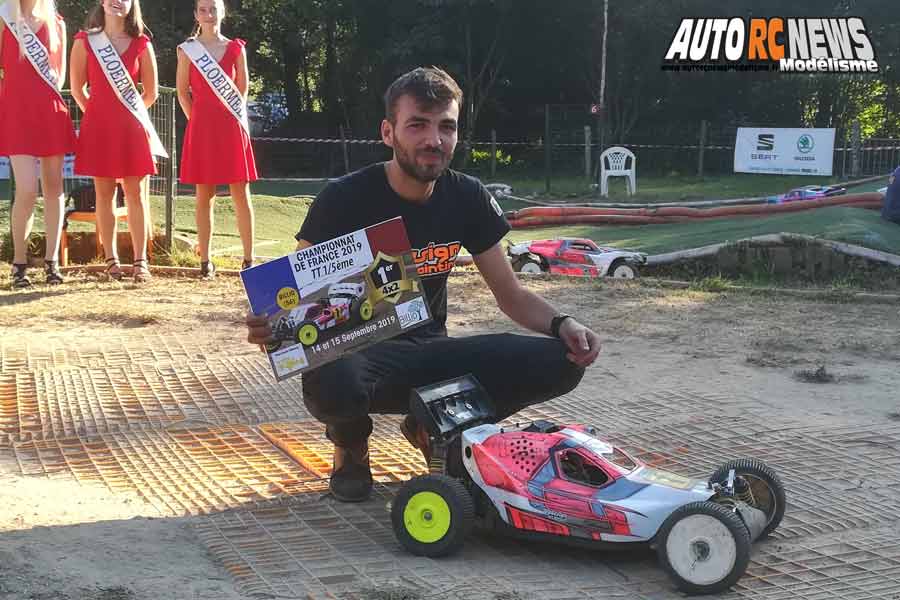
(61,540)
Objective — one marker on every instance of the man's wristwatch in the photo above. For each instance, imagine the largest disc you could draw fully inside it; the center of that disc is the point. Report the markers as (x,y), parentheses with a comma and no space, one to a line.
(556,323)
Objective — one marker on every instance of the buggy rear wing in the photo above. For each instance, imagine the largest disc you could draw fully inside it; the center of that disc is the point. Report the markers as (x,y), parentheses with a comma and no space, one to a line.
(448,408)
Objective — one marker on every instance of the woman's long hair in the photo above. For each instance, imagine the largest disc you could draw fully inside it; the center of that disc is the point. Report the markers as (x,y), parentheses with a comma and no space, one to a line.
(45,10)
(220,8)
(134,22)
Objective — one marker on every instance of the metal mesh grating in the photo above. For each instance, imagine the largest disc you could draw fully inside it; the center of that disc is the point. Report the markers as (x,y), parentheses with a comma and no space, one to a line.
(299,548)
(392,458)
(180,472)
(89,412)
(47,404)
(857,566)
(831,487)
(19,412)
(52,352)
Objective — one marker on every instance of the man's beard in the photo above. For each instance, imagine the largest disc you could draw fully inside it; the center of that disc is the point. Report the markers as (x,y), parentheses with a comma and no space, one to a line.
(423,173)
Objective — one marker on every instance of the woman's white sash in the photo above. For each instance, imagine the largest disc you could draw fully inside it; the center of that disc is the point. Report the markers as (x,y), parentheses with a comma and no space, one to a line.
(121,83)
(34,49)
(220,83)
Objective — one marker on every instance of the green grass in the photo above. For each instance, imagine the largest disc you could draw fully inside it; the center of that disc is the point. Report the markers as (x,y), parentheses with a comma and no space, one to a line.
(287,189)
(277,220)
(852,225)
(281,206)
(666,189)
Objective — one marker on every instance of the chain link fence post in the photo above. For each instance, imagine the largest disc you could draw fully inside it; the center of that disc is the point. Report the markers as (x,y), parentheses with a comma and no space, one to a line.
(855,144)
(587,152)
(547,153)
(493,154)
(702,148)
(171,179)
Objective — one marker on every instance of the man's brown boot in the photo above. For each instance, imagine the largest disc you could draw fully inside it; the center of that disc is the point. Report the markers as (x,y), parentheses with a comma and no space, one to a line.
(417,436)
(351,478)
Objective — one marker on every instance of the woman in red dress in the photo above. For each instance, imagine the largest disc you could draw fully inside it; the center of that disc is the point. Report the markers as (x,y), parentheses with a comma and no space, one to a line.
(112,144)
(34,126)
(216,148)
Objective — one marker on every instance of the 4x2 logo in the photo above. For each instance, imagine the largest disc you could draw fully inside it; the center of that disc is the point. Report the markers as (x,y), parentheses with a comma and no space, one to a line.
(386,278)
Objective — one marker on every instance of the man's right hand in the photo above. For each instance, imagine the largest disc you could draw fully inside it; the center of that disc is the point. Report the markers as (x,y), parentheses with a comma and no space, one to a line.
(258,329)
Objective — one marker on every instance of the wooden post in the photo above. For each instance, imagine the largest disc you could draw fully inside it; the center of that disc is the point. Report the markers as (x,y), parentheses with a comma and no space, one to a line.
(844,150)
(493,154)
(346,151)
(547,155)
(587,152)
(855,145)
(702,148)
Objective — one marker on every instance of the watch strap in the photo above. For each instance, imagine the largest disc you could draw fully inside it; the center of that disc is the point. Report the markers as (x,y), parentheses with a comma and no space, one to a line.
(556,323)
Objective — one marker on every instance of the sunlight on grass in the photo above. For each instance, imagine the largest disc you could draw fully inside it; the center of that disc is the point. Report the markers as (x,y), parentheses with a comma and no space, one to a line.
(280,208)
(852,225)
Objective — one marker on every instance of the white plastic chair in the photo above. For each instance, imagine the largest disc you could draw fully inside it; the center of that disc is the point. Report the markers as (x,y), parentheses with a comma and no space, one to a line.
(618,158)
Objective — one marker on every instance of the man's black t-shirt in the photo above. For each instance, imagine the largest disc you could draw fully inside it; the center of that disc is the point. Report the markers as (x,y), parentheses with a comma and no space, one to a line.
(459,213)
(890,210)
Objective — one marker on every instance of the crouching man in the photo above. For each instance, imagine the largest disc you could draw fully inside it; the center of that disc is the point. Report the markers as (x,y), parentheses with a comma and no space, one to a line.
(443,210)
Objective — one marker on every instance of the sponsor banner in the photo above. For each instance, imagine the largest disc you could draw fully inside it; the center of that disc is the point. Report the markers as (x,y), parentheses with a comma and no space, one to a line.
(337,297)
(782,151)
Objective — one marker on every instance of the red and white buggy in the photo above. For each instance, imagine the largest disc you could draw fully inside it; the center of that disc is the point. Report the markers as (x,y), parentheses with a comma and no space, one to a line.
(343,303)
(580,257)
(561,483)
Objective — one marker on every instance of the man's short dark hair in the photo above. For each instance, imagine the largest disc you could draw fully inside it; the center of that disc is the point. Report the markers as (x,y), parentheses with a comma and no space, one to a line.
(431,88)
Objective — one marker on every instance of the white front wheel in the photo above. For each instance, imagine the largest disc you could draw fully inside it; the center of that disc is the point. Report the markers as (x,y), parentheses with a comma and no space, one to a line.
(623,271)
(705,547)
(526,264)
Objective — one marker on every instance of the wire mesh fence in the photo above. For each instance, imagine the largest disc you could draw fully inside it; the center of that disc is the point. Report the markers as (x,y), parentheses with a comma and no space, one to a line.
(565,142)
(879,156)
(324,158)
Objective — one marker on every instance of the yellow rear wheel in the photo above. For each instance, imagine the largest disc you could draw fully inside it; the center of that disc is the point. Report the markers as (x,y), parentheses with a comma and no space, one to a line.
(308,334)
(366,310)
(432,515)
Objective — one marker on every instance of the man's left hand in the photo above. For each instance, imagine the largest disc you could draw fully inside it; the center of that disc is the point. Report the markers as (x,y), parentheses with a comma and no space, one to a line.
(582,342)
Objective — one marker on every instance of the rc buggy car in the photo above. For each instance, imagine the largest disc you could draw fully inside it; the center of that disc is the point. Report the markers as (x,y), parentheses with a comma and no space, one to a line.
(571,256)
(808,192)
(343,303)
(561,483)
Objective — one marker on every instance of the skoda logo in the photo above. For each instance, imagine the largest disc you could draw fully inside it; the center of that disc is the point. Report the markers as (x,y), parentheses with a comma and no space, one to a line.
(805,144)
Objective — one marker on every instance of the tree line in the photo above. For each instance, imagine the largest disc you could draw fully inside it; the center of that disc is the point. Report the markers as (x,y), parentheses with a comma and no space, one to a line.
(329,62)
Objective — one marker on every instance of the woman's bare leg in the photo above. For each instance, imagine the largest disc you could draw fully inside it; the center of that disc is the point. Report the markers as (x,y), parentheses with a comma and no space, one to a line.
(54,203)
(206,199)
(25,171)
(243,208)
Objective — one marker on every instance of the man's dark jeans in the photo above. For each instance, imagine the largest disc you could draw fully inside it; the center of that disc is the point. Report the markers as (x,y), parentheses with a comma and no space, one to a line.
(516,371)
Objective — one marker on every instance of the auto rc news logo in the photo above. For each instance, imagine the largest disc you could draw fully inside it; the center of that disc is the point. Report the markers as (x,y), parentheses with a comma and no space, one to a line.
(774,44)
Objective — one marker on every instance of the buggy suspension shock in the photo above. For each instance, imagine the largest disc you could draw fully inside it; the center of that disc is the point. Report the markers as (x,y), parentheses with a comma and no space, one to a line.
(436,465)
(743,492)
